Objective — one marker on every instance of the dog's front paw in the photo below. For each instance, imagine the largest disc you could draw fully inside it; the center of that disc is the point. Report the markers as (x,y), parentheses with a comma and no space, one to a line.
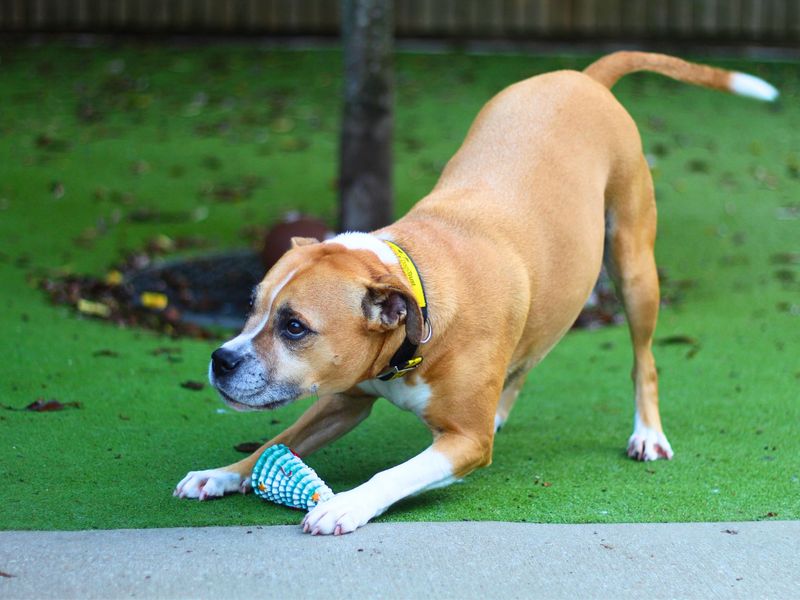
(344,513)
(211,483)
(648,444)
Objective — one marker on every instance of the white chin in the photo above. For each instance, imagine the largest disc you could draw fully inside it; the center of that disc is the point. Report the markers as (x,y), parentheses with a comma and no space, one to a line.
(248,407)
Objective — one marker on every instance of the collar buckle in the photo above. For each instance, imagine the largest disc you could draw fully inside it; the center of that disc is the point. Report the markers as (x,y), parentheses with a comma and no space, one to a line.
(397,371)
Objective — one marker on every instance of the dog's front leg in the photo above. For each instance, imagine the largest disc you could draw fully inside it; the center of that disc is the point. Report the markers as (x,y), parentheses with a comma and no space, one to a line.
(325,421)
(450,457)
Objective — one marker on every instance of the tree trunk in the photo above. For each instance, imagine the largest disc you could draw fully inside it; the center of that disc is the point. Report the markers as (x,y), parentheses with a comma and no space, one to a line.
(365,168)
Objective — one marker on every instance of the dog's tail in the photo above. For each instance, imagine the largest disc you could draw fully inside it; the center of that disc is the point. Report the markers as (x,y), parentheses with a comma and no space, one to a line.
(609,69)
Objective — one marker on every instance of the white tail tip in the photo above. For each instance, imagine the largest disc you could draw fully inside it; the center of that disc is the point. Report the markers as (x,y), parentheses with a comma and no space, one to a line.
(752,87)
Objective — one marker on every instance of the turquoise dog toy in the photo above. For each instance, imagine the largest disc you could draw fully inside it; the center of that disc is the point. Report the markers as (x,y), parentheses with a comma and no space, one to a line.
(281,477)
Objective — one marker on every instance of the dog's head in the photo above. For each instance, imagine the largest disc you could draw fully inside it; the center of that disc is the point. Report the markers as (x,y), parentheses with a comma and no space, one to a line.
(320,322)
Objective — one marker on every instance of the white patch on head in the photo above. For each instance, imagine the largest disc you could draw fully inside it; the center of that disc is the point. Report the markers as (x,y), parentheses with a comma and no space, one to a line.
(752,87)
(347,511)
(247,335)
(356,240)
(646,443)
(411,397)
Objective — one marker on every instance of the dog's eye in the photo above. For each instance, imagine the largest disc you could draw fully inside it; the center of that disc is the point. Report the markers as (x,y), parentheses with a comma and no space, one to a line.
(252,300)
(294,329)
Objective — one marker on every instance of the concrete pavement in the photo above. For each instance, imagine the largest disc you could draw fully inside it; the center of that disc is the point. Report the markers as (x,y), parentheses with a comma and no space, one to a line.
(409,560)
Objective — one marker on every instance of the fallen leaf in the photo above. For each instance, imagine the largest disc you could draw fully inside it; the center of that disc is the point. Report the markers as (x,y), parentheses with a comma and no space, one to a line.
(193,385)
(660,149)
(154,215)
(95,309)
(293,144)
(50,143)
(247,447)
(154,300)
(282,125)
(785,258)
(676,339)
(140,167)
(4,574)
(57,189)
(161,244)
(113,277)
(730,531)
(42,405)
(166,350)
(697,165)
(211,162)
(87,112)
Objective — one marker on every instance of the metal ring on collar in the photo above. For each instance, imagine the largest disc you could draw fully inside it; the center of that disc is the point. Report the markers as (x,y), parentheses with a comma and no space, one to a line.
(430,333)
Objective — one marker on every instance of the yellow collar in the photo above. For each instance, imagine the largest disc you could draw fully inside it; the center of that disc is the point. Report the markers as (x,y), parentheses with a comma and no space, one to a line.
(411,273)
(404,360)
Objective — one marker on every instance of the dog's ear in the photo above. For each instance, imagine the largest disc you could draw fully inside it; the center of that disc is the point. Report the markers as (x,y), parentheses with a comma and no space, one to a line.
(303,241)
(389,303)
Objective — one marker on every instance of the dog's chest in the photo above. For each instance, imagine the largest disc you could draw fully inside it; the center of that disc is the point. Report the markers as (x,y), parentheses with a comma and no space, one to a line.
(411,397)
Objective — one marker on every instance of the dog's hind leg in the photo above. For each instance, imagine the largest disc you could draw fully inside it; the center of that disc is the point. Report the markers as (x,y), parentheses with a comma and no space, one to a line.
(511,388)
(630,238)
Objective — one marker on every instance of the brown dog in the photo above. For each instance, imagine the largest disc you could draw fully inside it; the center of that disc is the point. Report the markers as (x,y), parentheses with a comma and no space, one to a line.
(483,277)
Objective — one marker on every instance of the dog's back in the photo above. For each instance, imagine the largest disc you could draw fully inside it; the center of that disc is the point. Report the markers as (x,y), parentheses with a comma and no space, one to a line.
(557,161)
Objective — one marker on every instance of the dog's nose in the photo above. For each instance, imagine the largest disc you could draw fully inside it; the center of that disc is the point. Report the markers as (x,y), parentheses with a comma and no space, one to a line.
(224,361)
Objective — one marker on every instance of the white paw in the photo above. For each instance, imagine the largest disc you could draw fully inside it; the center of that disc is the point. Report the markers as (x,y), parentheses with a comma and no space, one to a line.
(211,483)
(648,444)
(344,513)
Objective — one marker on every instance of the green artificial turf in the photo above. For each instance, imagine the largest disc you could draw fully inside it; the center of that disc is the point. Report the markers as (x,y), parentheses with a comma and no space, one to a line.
(90,135)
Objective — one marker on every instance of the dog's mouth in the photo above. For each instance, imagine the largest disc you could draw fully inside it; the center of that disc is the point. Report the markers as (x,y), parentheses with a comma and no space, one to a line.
(244,407)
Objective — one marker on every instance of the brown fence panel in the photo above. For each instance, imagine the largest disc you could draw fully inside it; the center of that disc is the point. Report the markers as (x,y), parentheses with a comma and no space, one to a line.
(776,21)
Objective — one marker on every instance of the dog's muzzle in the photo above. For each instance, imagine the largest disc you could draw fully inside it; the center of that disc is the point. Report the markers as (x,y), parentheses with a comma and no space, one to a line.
(244,384)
